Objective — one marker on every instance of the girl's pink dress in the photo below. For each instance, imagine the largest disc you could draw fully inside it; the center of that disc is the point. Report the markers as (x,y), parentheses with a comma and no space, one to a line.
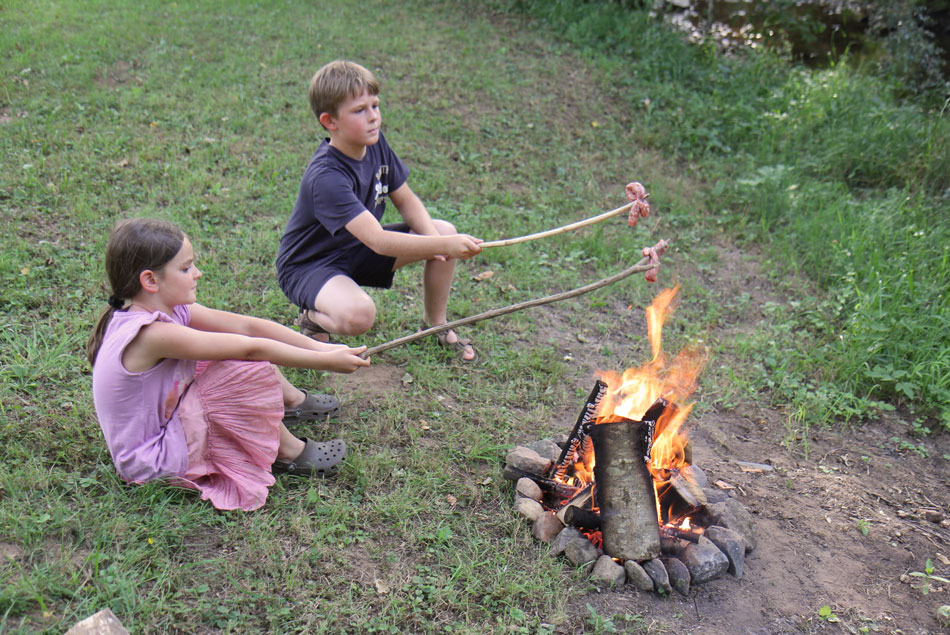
(231,417)
(211,426)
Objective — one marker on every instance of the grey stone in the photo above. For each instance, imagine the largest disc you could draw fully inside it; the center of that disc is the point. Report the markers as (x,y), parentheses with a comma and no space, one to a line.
(715,495)
(547,449)
(547,527)
(528,460)
(528,488)
(657,572)
(698,476)
(565,536)
(607,573)
(704,561)
(673,546)
(530,509)
(762,467)
(637,576)
(560,440)
(102,623)
(581,553)
(679,574)
(733,515)
(731,544)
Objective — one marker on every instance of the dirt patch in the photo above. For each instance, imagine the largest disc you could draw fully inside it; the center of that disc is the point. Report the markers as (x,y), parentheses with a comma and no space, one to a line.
(116,75)
(10,551)
(369,386)
(841,525)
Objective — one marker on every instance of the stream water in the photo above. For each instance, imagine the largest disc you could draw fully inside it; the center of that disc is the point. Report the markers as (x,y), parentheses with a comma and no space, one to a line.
(816,32)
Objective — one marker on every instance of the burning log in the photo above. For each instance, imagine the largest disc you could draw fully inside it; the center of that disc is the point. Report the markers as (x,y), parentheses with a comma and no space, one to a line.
(683,534)
(579,517)
(625,493)
(577,507)
(575,442)
(687,488)
(546,484)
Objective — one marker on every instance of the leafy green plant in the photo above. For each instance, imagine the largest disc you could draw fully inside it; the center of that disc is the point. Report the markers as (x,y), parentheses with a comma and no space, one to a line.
(827,615)
(927,577)
(904,445)
(943,614)
(599,623)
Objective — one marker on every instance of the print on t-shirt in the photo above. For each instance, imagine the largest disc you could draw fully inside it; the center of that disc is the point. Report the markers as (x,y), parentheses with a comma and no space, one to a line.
(381,190)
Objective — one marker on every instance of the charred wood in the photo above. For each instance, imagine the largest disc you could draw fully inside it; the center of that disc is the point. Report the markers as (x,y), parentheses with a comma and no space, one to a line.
(546,484)
(579,432)
(574,516)
(682,534)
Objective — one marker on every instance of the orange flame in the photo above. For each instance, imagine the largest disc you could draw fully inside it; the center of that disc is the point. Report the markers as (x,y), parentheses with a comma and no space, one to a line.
(632,394)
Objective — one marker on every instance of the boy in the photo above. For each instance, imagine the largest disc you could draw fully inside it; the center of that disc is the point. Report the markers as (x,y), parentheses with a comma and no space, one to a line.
(334,242)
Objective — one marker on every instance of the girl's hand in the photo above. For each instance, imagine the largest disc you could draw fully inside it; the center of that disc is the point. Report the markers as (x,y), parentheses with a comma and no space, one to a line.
(345,359)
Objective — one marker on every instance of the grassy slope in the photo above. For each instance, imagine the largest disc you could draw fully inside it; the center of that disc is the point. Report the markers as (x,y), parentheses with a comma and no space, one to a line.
(833,173)
(197,112)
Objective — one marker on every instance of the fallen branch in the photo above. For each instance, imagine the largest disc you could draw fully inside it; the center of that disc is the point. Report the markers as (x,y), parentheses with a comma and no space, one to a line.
(645,264)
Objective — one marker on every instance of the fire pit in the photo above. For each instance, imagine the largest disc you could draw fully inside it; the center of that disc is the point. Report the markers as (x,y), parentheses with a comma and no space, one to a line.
(619,495)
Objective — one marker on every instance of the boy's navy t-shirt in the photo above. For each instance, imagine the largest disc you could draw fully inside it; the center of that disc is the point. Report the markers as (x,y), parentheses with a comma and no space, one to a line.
(334,190)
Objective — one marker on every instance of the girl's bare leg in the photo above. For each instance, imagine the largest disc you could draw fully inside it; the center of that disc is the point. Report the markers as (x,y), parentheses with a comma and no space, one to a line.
(293,396)
(290,446)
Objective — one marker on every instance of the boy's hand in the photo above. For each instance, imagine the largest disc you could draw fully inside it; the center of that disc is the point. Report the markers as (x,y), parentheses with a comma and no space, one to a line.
(345,359)
(462,246)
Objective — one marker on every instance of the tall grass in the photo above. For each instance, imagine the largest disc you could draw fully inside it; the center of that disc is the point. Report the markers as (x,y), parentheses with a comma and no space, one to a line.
(839,174)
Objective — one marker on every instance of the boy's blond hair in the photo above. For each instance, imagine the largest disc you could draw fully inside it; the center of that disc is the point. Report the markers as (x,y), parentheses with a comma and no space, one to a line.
(337,81)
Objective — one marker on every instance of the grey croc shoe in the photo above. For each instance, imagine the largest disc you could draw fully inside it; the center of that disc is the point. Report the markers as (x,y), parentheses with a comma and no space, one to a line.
(313,407)
(319,458)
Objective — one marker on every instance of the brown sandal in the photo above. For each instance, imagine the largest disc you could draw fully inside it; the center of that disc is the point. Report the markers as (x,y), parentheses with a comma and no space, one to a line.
(459,345)
(310,328)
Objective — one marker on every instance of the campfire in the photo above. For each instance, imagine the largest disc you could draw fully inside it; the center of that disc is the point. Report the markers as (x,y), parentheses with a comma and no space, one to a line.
(623,482)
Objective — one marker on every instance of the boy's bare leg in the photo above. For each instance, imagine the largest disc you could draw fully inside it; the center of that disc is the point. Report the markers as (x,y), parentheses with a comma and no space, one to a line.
(437,276)
(343,307)
(437,279)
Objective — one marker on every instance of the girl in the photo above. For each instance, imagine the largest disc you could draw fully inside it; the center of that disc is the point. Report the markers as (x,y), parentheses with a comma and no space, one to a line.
(173,392)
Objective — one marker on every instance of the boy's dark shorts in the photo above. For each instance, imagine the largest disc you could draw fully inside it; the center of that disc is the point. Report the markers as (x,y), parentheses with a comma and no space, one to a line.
(364,266)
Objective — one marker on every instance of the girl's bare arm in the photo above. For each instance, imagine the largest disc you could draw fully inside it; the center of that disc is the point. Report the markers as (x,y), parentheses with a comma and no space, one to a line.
(161,340)
(215,321)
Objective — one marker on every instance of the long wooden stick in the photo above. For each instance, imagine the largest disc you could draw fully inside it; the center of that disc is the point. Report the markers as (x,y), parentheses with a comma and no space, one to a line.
(643,265)
(560,230)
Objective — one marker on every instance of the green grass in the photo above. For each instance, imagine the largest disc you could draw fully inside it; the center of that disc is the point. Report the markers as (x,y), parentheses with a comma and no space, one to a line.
(197,112)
